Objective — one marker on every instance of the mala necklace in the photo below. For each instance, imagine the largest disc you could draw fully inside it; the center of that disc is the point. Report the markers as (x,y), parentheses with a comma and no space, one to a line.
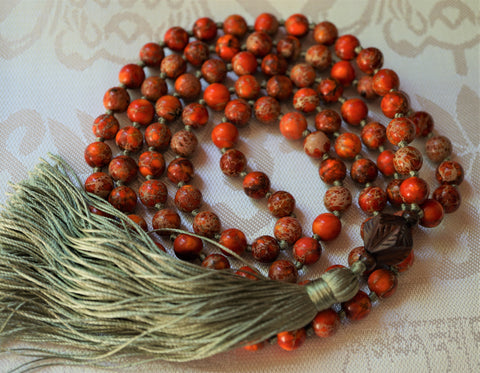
(97,280)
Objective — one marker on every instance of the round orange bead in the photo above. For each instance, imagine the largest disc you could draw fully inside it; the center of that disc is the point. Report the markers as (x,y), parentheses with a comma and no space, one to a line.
(141,111)
(384,81)
(165,218)
(188,198)
(394,103)
(319,57)
(306,100)
(348,145)
(414,190)
(105,126)
(344,72)
(151,163)
(196,52)
(235,25)
(354,111)
(284,271)
(432,213)
(326,323)
(292,340)
(316,144)
(259,43)
(364,87)
(207,224)
(151,54)
(385,162)
(216,96)
(188,86)
(123,168)
(238,112)
(279,87)
(328,121)
(99,183)
(180,170)
(329,90)
(265,249)
(307,250)
(383,282)
(195,115)
(168,107)
(247,87)
(266,109)
(256,185)
(302,75)
(98,154)
(369,60)
(244,63)
(372,199)
(325,33)
(289,47)
(287,229)
(225,135)
(123,198)
(227,46)
(297,25)
(214,71)
(293,125)
(345,47)
(152,193)
(233,239)
(327,226)
(363,171)
(176,38)
(374,135)
(281,204)
(131,75)
(400,130)
(407,159)
(173,66)
(158,135)
(423,123)
(187,247)
(204,29)
(116,99)
(337,198)
(153,88)
(331,170)
(266,22)
(216,261)
(358,307)
(129,138)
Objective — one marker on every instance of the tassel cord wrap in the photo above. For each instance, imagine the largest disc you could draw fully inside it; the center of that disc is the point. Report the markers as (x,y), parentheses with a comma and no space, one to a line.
(101,286)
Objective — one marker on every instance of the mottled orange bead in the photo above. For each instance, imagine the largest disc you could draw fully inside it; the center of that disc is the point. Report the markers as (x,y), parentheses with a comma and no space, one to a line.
(165,219)
(372,199)
(238,112)
(99,183)
(98,154)
(168,107)
(438,148)
(423,123)
(293,125)
(331,170)
(176,38)
(129,138)
(405,264)
(255,347)
(328,121)
(123,199)
(325,33)
(448,196)
(383,282)
(326,323)
(432,213)
(266,109)
(247,272)
(369,59)
(291,340)
(214,71)
(374,135)
(151,164)
(188,86)
(306,100)
(307,250)
(316,144)
(358,307)
(359,253)
(385,162)
(327,226)
(196,52)
(319,56)
(281,204)
(153,193)
(297,25)
(394,103)
(151,54)
(204,29)
(216,95)
(206,224)
(345,47)
(259,43)
(116,99)
(227,46)
(302,75)
(225,135)
(188,198)
(247,87)
(266,22)
(414,190)
(216,261)
(105,126)
(256,184)
(244,63)
(265,249)
(348,145)
(158,135)
(235,25)
(363,171)
(233,239)
(400,130)
(407,159)
(131,76)
(233,162)
(123,168)
(184,143)
(195,115)
(289,47)
(344,72)
(153,88)
(173,66)
(393,192)
(283,271)
(287,229)
(329,90)
(180,170)
(354,111)
(187,247)
(364,87)
(141,111)
(337,198)
(138,220)
(449,172)
(274,64)
(384,81)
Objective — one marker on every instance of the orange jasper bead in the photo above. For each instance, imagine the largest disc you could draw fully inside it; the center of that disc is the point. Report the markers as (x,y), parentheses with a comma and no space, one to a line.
(400,130)
(414,190)
(195,115)
(326,323)
(266,22)
(345,47)
(432,213)
(394,103)
(227,46)
(383,282)
(327,226)
(297,25)
(168,107)
(187,247)
(384,81)
(344,72)
(293,125)
(348,145)
(235,25)
(225,135)
(256,184)
(131,75)
(204,29)
(292,340)
(325,33)
(354,111)
(216,96)
(233,239)
(141,111)
(358,307)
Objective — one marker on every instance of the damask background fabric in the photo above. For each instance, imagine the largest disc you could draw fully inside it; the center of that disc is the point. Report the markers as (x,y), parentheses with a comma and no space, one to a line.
(57,59)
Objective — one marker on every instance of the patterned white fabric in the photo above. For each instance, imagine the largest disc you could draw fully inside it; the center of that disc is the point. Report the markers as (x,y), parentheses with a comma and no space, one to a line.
(58,58)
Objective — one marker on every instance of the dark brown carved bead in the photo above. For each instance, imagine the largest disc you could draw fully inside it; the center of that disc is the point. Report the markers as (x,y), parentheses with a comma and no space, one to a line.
(388,238)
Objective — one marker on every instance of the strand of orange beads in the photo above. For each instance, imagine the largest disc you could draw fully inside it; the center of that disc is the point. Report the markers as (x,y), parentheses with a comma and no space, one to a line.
(155,110)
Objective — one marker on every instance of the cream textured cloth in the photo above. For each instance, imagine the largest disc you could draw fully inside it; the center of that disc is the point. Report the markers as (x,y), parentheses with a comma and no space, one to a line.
(58,58)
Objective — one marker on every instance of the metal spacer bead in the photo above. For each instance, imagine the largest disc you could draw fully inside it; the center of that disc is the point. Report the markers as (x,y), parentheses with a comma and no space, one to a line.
(250,28)
(303,54)
(188,128)
(162,44)
(381,148)
(404,207)
(336,134)
(396,176)
(358,156)
(375,213)
(263,84)
(316,237)
(202,256)
(119,183)
(399,115)
(363,123)
(219,24)
(251,102)
(161,120)
(248,249)
(243,47)
(173,236)
(355,82)
(268,195)
(190,33)
(198,74)
(231,89)
(229,67)
(368,185)
(325,156)
(151,148)
(149,177)
(176,94)
(223,150)
(121,85)
(243,174)
(211,48)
